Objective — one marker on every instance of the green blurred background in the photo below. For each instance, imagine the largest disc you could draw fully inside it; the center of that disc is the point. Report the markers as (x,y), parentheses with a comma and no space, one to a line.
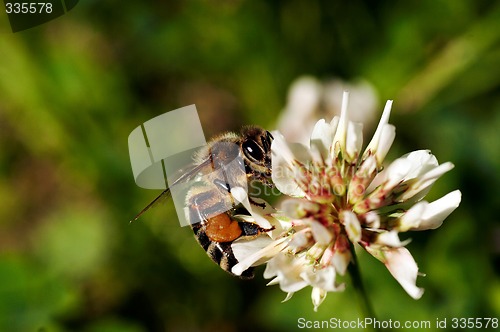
(73,89)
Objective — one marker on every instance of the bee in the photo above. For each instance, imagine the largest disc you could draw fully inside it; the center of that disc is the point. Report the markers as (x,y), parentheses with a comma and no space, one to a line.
(211,209)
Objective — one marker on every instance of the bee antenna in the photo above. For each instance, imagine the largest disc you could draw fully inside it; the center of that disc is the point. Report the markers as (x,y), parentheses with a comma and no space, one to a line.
(149,205)
(184,177)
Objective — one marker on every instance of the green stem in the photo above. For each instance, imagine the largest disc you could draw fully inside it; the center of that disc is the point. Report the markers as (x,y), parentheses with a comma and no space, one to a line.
(364,301)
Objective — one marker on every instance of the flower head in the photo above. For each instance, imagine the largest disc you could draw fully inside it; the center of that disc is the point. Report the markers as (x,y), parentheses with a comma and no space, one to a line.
(340,195)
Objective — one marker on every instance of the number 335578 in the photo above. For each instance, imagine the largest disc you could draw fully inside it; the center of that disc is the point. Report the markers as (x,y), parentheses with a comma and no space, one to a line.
(25,7)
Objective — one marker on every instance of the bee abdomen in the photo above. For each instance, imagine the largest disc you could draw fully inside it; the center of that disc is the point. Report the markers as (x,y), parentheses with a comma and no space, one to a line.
(220,252)
(201,236)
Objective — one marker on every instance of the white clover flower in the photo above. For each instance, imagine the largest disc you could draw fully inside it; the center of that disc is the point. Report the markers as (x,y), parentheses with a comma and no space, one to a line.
(341,195)
(310,99)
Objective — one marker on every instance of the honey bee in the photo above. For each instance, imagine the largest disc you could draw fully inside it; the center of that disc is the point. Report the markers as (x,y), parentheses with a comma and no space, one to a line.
(211,209)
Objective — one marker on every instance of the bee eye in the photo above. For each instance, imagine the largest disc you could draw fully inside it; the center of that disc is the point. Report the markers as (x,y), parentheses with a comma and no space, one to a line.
(267,141)
(253,151)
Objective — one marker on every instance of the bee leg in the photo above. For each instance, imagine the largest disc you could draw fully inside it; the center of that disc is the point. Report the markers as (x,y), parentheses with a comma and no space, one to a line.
(252,230)
(252,201)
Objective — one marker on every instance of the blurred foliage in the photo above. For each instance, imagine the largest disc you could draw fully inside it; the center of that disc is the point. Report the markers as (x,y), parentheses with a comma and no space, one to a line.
(73,89)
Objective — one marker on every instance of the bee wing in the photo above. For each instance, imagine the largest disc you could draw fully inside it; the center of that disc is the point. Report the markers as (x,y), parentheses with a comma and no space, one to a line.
(186,175)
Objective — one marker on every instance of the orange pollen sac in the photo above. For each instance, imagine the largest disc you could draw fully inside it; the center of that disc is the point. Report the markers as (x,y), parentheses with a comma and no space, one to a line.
(221,228)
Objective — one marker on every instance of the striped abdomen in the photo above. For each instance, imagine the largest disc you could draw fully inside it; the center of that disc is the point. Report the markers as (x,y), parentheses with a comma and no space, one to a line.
(215,228)
(220,252)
